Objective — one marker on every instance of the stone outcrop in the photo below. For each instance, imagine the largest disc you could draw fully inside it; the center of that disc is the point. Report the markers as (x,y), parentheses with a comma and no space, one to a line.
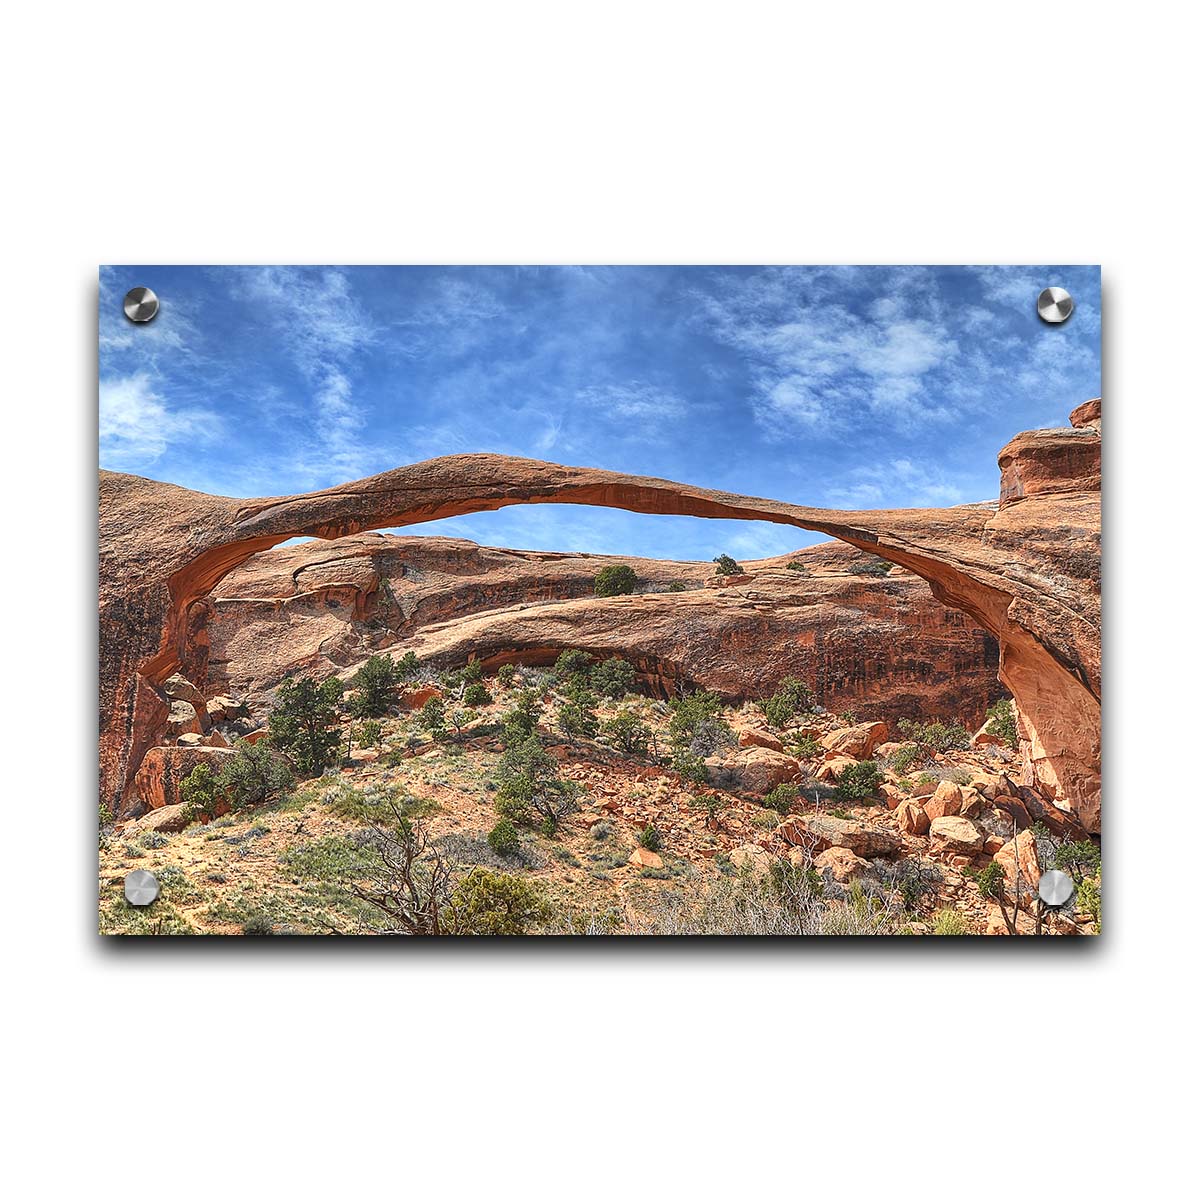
(1026,570)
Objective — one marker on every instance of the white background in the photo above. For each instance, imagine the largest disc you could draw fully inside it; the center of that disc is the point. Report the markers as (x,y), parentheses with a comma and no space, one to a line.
(515,132)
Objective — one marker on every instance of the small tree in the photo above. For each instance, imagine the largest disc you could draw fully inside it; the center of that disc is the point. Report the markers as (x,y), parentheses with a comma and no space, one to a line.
(303,723)
(650,838)
(521,720)
(626,733)
(697,726)
(506,674)
(1002,721)
(792,696)
(489,904)
(782,797)
(614,678)
(727,565)
(459,719)
(254,775)
(476,696)
(199,791)
(370,733)
(375,682)
(712,804)
(858,781)
(504,839)
(571,663)
(530,787)
(616,579)
(432,717)
(407,666)
(871,565)
(577,718)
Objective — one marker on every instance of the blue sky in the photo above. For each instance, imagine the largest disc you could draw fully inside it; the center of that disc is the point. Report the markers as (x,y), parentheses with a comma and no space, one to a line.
(858,387)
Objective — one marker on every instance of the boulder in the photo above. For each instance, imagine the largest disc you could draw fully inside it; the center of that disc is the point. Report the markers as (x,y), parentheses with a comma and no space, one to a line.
(955,834)
(946,801)
(893,797)
(225,708)
(760,737)
(972,803)
(923,787)
(841,863)
(641,857)
(752,858)
(757,769)
(182,719)
(189,739)
(164,769)
(983,738)
(912,818)
(830,770)
(821,833)
(416,700)
(996,926)
(179,687)
(1023,851)
(170,818)
(856,741)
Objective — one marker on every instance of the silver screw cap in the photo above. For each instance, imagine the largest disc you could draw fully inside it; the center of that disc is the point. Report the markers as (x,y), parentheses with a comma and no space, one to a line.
(141,305)
(141,888)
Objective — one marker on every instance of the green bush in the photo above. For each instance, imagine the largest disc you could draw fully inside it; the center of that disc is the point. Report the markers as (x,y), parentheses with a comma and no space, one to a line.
(571,663)
(616,579)
(858,781)
(476,696)
(948,923)
(614,678)
(577,718)
(989,881)
(696,725)
(258,925)
(690,767)
(1002,721)
(489,904)
(375,682)
(254,775)
(303,723)
(804,747)
(1087,899)
(504,838)
(432,717)
(626,733)
(459,719)
(1078,859)
(782,797)
(407,666)
(907,757)
(370,733)
(727,565)
(710,803)
(870,566)
(792,696)
(798,566)
(199,791)
(506,674)
(934,734)
(676,586)
(529,789)
(650,838)
(521,720)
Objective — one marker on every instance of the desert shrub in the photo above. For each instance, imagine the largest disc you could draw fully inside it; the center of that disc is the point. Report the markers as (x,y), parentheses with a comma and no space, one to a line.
(521,720)
(907,757)
(1087,899)
(476,696)
(370,733)
(407,666)
(797,566)
(781,797)
(432,717)
(303,723)
(792,696)
(375,683)
(254,775)
(804,747)
(626,733)
(676,585)
(690,767)
(577,718)
(910,877)
(153,840)
(199,791)
(616,579)
(650,838)
(614,678)
(870,566)
(571,663)
(488,904)
(472,672)
(459,719)
(727,565)
(858,781)
(506,674)
(504,838)
(949,923)
(1078,859)
(936,735)
(259,925)
(1002,721)
(696,726)
(989,881)
(529,789)
(601,831)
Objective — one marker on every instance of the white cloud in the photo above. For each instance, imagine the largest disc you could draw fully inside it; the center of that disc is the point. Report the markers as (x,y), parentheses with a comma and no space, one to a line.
(137,425)
(898,484)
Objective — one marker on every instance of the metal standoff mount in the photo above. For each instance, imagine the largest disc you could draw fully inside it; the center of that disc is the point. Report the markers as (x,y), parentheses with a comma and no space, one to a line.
(141,888)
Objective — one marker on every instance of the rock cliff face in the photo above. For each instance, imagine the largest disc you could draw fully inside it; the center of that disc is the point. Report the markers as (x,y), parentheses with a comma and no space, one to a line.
(1027,571)
(884,644)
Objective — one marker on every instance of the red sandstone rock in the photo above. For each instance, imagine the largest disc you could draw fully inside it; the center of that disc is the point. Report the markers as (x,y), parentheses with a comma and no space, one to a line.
(166,767)
(641,857)
(760,737)
(955,834)
(758,770)
(844,865)
(857,741)
(1025,850)
(946,801)
(911,818)
(821,832)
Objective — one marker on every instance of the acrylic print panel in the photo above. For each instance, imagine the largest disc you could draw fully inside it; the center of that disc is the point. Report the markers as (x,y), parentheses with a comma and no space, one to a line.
(550,600)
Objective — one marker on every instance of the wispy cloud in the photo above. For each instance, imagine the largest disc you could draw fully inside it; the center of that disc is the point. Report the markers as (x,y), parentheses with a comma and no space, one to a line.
(137,425)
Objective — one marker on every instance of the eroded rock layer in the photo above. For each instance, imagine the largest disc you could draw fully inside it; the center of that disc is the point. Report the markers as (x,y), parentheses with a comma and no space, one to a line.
(885,644)
(1027,572)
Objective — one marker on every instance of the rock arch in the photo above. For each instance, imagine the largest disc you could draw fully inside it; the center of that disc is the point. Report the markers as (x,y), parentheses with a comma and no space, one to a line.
(1026,569)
